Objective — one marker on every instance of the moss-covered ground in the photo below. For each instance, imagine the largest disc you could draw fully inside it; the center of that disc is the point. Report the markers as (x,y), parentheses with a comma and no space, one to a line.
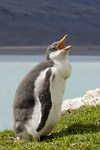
(77,130)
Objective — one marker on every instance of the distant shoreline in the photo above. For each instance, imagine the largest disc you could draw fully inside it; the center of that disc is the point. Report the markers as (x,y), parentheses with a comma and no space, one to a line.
(39,58)
(40,50)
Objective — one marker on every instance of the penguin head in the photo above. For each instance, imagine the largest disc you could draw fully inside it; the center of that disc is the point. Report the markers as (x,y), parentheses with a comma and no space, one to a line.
(57,50)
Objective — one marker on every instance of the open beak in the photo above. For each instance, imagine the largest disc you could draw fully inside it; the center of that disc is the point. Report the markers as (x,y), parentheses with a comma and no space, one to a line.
(62,43)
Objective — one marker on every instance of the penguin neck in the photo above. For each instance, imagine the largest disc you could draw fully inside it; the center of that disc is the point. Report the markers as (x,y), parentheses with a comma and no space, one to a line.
(60,58)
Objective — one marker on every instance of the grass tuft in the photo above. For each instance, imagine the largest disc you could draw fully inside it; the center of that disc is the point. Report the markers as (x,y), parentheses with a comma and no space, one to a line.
(77,130)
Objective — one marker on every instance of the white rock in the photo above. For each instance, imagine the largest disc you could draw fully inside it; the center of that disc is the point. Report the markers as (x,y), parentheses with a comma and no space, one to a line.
(92,97)
(72,103)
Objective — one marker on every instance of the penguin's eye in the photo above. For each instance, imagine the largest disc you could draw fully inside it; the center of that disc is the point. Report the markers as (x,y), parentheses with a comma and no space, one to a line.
(53,49)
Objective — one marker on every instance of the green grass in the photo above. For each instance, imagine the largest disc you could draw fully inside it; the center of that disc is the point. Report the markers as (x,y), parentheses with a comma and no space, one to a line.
(77,130)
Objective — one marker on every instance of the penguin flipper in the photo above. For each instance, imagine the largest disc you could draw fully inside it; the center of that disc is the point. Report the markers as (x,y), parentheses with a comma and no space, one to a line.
(45,100)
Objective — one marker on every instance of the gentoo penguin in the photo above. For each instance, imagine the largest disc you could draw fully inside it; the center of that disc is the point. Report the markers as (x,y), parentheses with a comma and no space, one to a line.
(38,98)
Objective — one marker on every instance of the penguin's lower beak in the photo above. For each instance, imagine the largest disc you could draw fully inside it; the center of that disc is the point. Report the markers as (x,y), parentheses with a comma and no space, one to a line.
(62,43)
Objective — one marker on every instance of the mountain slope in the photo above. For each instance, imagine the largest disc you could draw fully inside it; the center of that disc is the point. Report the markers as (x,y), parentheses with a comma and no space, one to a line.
(36,22)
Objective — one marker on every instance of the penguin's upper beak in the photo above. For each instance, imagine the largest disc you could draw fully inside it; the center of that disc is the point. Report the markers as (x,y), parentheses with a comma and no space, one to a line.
(62,43)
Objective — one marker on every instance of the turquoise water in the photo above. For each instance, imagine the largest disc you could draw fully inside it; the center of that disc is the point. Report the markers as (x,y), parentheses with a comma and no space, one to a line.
(85,76)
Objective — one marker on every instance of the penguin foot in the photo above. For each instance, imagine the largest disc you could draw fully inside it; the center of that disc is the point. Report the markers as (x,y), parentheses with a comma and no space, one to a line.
(37,139)
(49,134)
(18,138)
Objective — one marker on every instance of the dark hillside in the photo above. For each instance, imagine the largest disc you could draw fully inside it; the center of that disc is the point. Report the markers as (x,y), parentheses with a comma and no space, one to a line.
(36,22)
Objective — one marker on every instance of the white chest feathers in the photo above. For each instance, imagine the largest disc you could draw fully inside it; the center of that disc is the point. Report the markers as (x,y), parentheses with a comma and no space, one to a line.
(60,72)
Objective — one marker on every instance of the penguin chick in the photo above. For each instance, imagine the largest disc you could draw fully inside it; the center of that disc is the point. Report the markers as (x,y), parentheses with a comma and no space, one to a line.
(38,98)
